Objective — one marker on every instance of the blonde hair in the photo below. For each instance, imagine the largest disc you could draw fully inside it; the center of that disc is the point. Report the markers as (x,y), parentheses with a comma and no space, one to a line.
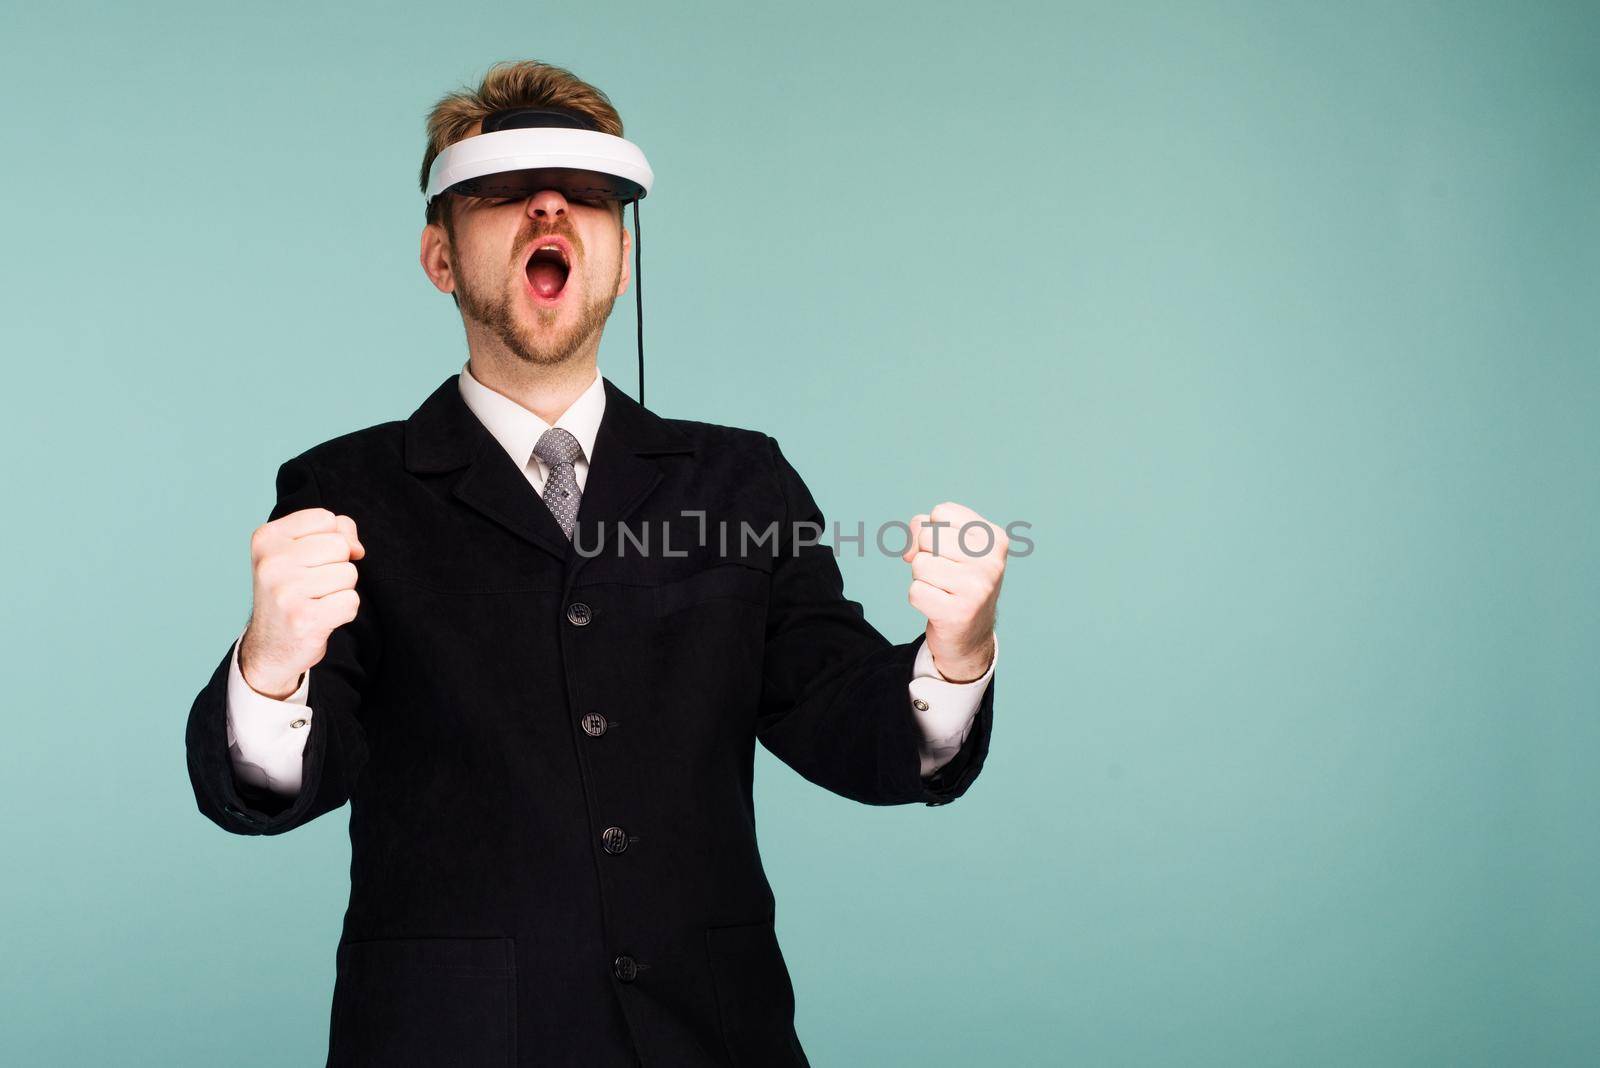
(511,83)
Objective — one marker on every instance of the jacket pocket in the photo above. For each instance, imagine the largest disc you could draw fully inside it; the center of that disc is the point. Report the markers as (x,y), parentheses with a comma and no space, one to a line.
(739,582)
(425,1001)
(755,997)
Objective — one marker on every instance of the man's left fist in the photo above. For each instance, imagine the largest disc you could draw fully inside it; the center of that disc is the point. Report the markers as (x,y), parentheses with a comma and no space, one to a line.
(957,559)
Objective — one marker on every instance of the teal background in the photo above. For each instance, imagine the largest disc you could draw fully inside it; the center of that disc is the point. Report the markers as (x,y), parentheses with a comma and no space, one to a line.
(1278,322)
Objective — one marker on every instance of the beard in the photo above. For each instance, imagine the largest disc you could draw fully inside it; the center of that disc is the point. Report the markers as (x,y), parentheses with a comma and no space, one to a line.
(497,311)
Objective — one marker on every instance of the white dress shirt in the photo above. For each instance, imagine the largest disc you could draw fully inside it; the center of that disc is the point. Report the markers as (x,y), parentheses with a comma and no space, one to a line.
(266,737)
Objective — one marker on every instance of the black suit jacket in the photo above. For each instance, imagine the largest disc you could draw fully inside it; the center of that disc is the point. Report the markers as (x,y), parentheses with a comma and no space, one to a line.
(548,754)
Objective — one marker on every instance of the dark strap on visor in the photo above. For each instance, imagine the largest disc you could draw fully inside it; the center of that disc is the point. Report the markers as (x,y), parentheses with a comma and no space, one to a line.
(523,118)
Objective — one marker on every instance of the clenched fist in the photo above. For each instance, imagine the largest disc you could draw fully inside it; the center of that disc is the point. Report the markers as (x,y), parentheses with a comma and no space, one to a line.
(305,588)
(957,559)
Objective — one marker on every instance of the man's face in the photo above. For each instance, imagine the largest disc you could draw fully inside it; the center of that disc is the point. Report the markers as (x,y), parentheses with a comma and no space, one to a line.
(542,311)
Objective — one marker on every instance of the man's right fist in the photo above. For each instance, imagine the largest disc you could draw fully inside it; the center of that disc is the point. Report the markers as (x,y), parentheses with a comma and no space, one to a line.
(305,587)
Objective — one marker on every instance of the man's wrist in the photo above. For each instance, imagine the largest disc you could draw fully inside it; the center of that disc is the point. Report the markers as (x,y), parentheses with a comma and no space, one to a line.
(272,685)
(968,668)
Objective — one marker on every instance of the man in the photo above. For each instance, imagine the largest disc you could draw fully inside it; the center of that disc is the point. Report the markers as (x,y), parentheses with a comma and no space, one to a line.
(548,749)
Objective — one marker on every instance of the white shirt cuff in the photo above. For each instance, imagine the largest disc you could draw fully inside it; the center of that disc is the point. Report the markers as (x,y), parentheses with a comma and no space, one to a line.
(266,736)
(945,710)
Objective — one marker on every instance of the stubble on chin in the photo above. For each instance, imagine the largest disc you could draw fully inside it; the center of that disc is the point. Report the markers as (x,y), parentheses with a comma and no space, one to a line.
(507,322)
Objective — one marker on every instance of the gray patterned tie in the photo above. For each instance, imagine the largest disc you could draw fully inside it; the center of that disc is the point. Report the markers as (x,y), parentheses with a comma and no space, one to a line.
(558,449)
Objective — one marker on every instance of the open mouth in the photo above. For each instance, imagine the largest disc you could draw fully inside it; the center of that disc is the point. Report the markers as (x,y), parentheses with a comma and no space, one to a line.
(547,269)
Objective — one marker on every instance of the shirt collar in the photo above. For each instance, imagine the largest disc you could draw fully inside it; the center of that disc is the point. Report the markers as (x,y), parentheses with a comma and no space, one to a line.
(518,430)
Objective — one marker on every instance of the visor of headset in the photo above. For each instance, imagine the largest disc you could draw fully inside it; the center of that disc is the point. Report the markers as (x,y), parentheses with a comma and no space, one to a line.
(573,184)
(511,180)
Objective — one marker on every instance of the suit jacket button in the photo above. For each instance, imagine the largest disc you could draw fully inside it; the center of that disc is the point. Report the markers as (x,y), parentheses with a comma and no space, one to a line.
(615,839)
(594,724)
(626,968)
(579,614)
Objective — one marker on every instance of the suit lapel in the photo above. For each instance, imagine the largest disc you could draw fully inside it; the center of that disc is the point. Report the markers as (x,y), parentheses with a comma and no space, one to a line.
(624,469)
(443,435)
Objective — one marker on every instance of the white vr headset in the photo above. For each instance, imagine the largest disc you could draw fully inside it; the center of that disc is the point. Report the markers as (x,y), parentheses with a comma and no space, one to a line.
(525,149)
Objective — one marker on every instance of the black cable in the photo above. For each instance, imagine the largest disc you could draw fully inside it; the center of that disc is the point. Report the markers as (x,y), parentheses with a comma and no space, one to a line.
(638,295)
